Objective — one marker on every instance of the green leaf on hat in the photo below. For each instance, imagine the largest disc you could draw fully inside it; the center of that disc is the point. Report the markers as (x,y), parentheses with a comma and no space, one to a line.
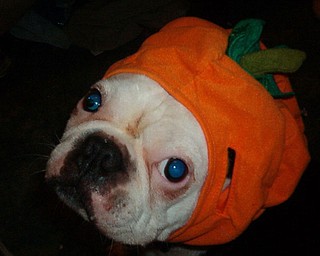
(245,38)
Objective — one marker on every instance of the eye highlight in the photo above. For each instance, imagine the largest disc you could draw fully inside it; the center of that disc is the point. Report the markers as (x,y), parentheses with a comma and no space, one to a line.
(92,101)
(174,169)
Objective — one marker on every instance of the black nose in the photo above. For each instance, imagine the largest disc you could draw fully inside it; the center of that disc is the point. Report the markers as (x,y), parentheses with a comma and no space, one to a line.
(99,155)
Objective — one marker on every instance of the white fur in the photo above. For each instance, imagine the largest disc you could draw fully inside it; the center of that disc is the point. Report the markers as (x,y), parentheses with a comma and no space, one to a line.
(154,127)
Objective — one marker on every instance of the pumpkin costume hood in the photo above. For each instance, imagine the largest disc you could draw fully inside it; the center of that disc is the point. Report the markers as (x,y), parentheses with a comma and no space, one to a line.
(250,118)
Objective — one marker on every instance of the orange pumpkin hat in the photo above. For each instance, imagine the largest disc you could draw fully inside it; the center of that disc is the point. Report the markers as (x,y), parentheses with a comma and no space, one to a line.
(249,134)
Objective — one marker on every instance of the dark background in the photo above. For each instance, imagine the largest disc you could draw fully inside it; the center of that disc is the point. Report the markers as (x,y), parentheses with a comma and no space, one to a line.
(44,83)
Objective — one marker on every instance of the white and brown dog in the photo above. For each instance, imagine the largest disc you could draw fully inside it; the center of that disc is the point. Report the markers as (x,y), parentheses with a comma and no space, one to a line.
(149,154)
(132,165)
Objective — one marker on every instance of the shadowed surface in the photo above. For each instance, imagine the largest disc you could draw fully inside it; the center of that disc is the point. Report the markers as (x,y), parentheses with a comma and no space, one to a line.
(42,87)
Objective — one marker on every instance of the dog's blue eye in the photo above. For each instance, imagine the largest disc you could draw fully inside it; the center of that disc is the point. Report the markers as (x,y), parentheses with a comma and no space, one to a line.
(175,170)
(92,101)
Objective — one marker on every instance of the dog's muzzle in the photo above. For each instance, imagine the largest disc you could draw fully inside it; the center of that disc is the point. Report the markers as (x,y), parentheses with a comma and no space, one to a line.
(97,163)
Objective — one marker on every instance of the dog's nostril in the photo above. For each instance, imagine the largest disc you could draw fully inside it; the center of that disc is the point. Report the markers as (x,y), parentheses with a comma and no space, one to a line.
(99,155)
(91,147)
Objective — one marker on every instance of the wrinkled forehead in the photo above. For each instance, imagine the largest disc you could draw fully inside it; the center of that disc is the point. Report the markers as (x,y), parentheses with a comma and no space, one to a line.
(136,104)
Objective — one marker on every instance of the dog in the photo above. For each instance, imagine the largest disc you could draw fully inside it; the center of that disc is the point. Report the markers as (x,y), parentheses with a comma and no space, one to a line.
(179,143)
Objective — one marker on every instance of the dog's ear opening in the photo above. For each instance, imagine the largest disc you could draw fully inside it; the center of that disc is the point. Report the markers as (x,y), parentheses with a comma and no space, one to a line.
(231,161)
(228,180)
(230,167)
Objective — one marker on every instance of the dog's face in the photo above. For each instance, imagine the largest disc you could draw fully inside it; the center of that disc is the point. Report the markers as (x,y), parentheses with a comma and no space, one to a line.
(132,160)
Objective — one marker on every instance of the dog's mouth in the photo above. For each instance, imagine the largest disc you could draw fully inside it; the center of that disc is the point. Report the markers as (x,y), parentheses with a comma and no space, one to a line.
(70,196)
(77,197)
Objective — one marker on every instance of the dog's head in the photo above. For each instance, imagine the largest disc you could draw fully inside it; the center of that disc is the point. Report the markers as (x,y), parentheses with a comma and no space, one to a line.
(179,143)
(132,160)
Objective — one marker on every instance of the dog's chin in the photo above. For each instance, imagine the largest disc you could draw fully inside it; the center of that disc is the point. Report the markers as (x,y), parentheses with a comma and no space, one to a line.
(123,218)
(125,235)
(126,231)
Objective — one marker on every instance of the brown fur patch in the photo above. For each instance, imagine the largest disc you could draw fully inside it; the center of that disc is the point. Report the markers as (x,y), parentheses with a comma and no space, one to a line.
(133,128)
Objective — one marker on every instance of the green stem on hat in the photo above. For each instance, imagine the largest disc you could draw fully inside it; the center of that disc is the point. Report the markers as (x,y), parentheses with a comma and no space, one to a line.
(276,60)
(244,48)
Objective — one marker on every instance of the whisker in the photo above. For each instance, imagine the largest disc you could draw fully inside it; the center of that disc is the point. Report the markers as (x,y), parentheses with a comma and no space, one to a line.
(110,247)
(49,145)
(37,172)
(4,250)
(103,239)
(57,137)
(41,156)
(138,250)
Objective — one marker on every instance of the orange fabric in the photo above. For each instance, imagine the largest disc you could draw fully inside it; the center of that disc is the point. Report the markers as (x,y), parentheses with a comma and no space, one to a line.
(187,58)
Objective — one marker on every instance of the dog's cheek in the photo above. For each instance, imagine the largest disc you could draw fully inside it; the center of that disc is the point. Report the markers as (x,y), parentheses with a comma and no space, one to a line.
(113,212)
(102,205)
